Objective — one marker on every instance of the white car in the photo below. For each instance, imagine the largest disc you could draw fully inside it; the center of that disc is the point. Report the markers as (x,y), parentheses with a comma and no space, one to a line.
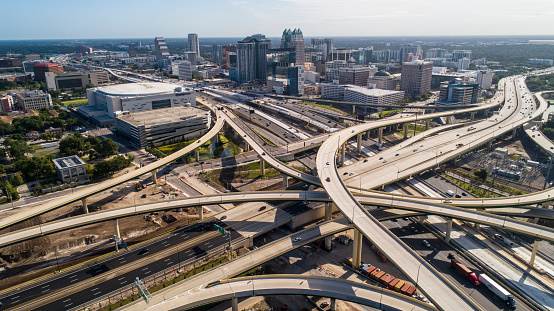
(426,243)
(297,239)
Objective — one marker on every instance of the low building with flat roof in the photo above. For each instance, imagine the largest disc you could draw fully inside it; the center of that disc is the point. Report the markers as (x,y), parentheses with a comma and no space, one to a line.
(70,168)
(162,126)
(357,94)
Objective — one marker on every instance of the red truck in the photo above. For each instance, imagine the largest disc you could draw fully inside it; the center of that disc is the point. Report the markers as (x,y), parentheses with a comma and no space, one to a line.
(465,271)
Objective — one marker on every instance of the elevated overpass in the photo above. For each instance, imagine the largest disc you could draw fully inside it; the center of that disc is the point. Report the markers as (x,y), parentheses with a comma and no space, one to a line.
(283,284)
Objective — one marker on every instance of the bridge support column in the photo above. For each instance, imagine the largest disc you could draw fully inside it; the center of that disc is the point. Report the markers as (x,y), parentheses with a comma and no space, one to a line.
(472,116)
(343,154)
(262,166)
(359,143)
(489,145)
(534,252)
(200,212)
(536,220)
(514,131)
(368,133)
(426,124)
(235,304)
(448,230)
(116,228)
(333,305)
(246,146)
(154,178)
(421,219)
(357,253)
(405,128)
(85,207)
(197,154)
(380,135)
(328,215)
(353,109)
(285,181)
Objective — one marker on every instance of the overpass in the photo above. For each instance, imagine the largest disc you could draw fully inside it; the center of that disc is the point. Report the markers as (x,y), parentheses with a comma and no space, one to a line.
(283,284)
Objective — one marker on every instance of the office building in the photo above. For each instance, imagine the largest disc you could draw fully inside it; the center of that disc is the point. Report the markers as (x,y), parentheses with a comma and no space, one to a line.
(463,63)
(484,79)
(81,49)
(184,70)
(252,58)
(192,57)
(217,56)
(6,103)
(415,50)
(416,77)
(460,54)
(10,62)
(357,94)
(28,65)
(33,100)
(40,70)
(382,80)
(162,126)
(161,49)
(294,40)
(71,80)
(382,56)
(286,76)
(340,54)
(32,57)
(356,74)
(332,70)
(394,56)
(458,92)
(225,51)
(436,53)
(70,168)
(363,56)
(323,47)
(194,44)
(135,97)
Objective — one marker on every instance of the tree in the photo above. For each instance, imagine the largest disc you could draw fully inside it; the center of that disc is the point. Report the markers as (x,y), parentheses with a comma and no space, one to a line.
(73,145)
(2,169)
(18,148)
(36,168)
(46,136)
(16,180)
(8,189)
(481,174)
(89,85)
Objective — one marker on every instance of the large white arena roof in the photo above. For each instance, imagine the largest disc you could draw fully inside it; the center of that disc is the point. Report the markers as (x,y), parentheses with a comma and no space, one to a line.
(138,89)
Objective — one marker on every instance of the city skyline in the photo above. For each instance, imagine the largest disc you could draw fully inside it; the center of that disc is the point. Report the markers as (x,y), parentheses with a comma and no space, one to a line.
(242,17)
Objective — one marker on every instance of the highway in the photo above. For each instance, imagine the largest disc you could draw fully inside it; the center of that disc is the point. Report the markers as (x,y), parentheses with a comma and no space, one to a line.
(264,285)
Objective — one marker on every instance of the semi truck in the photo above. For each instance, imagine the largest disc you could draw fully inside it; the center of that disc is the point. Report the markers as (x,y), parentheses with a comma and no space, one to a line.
(465,271)
(498,290)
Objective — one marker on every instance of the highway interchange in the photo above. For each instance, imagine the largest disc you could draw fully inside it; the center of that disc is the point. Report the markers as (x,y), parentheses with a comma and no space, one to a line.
(428,279)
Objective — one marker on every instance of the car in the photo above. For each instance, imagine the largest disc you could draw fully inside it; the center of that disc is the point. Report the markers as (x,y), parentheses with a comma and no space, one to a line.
(345,173)
(394,220)
(327,163)
(415,149)
(218,164)
(397,154)
(464,194)
(458,196)
(381,158)
(421,146)
(196,164)
(328,179)
(450,256)
(384,161)
(227,190)
(402,230)
(499,237)
(143,251)
(209,162)
(324,304)
(297,239)
(262,208)
(223,217)
(352,173)
(447,201)
(426,243)
(405,218)
(144,196)
(365,160)
(263,153)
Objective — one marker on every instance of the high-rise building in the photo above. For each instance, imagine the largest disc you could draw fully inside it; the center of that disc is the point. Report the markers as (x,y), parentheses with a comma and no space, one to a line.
(395,55)
(225,55)
(185,70)
(160,47)
(252,58)
(484,79)
(332,70)
(192,57)
(416,77)
(295,40)
(356,75)
(410,48)
(286,76)
(436,53)
(459,54)
(194,44)
(463,63)
(363,56)
(216,53)
(40,70)
(340,54)
(457,92)
(382,80)
(6,103)
(323,47)
(382,56)
(34,100)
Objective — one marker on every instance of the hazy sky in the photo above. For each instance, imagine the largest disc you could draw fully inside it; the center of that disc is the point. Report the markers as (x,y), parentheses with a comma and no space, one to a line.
(72,19)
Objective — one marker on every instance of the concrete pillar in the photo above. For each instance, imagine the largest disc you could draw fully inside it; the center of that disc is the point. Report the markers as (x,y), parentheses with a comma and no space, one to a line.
(235,304)
(328,215)
(405,128)
(472,116)
(449,120)
(200,213)
(514,131)
(262,166)
(359,143)
(333,306)
(285,181)
(353,109)
(154,178)
(85,207)
(246,147)
(368,133)
(421,218)
(534,253)
(545,204)
(116,228)
(235,134)
(448,230)
(536,220)
(197,154)
(343,154)
(489,145)
(357,252)
(427,124)
(380,134)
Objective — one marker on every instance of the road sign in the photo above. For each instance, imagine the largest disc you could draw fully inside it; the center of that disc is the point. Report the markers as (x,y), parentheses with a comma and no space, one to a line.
(220,229)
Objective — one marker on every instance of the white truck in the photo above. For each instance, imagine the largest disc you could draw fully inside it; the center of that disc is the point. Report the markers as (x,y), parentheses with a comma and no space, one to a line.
(498,290)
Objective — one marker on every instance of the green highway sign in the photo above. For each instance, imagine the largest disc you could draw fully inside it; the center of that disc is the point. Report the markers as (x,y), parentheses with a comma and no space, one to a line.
(220,229)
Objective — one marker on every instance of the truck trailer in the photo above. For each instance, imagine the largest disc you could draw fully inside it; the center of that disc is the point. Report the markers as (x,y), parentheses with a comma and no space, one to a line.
(498,290)
(465,271)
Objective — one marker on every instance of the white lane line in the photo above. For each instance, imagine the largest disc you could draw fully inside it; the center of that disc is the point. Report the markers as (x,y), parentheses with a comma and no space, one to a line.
(121,278)
(170,263)
(15,297)
(46,285)
(74,280)
(67,300)
(68,305)
(14,302)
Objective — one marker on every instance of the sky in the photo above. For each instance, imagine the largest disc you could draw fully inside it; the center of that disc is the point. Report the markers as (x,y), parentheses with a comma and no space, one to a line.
(98,19)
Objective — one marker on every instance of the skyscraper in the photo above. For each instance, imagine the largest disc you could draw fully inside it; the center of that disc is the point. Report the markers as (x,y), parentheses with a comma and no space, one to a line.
(323,47)
(409,48)
(294,39)
(252,58)
(194,44)
(459,54)
(484,78)
(416,77)
(217,56)
(162,52)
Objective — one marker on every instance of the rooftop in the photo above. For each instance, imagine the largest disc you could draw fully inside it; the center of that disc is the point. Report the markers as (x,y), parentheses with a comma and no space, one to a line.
(371,92)
(161,116)
(138,89)
(67,162)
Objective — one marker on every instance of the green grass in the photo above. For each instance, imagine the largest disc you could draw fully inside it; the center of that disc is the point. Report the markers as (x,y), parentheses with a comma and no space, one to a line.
(476,191)
(411,130)
(388,113)
(36,147)
(225,142)
(328,107)
(75,102)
